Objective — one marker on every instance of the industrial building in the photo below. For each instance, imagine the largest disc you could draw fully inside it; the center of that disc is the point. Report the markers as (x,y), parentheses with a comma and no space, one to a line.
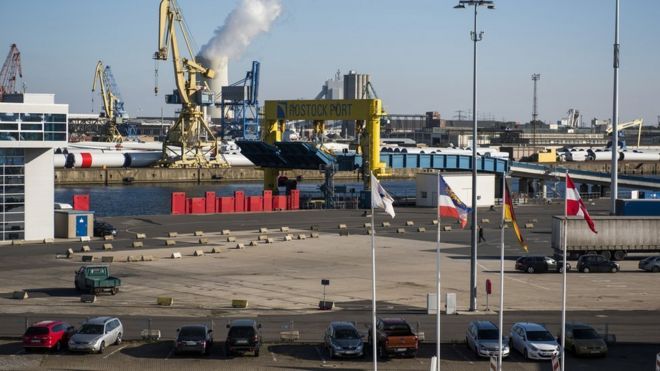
(31,125)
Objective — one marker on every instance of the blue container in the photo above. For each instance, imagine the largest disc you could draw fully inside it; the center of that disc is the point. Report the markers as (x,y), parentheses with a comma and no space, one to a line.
(638,207)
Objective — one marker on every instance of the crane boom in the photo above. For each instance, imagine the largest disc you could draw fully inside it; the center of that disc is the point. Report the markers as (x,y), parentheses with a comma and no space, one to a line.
(626,125)
(10,69)
(111,118)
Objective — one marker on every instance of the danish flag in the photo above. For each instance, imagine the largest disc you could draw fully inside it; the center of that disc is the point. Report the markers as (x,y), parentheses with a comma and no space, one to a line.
(574,204)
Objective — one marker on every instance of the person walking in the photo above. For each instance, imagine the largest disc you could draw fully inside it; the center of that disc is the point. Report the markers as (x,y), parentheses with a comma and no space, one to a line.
(481,234)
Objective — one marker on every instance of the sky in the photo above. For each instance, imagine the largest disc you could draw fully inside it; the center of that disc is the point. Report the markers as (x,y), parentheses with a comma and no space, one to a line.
(418,53)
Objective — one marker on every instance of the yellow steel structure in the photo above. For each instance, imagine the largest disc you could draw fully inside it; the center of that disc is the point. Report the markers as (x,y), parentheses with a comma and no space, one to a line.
(189,142)
(626,125)
(367,112)
(110,132)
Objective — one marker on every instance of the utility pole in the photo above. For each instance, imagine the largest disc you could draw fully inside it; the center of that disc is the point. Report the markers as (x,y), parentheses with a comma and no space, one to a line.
(535,114)
(615,119)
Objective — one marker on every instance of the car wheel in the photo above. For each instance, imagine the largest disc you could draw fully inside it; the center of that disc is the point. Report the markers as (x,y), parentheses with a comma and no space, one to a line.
(256,352)
(585,270)
(655,269)
(102,347)
(530,269)
(114,291)
(58,347)
(118,340)
(525,355)
(331,353)
(614,269)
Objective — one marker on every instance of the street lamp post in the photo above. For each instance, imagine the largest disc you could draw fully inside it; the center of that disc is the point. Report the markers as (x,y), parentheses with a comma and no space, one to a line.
(476,37)
(615,117)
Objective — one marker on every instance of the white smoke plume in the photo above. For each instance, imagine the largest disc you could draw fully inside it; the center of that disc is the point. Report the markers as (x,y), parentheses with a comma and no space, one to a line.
(249,19)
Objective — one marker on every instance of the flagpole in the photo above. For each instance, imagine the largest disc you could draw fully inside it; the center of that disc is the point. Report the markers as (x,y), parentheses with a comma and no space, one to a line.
(501,314)
(437,283)
(563,276)
(374,339)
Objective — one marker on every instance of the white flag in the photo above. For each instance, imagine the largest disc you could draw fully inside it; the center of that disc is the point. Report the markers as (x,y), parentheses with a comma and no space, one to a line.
(380,198)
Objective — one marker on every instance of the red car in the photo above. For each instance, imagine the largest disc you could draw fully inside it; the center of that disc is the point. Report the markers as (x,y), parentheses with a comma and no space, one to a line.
(47,335)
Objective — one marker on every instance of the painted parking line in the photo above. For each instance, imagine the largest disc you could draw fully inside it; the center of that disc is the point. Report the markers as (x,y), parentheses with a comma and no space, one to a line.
(318,351)
(20,352)
(169,354)
(273,356)
(115,351)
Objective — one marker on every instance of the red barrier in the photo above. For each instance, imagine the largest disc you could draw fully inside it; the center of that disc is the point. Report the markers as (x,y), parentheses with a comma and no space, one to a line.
(81,202)
(255,203)
(239,201)
(178,202)
(268,201)
(198,205)
(293,200)
(210,203)
(226,204)
(188,205)
(279,203)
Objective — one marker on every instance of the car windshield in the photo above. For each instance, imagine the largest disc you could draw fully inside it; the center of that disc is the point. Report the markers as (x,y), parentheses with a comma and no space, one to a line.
(346,333)
(539,336)
(241,332)
(585,333)
(192,333)
(488,334)
(31,331)
(90,329)
(398,329)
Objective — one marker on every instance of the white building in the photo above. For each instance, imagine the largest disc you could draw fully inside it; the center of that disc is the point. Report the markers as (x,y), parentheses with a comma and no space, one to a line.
(460,183)
(31,125)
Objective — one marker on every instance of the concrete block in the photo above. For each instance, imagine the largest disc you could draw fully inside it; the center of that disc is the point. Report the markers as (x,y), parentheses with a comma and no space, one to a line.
(170,242)
(434,221)
(107,259)
(85,239)
(216,250)
(203,241)
(176,255)
(446,228)
(49,240)
(302,236)
(88,258)
(262,237)
(231,239)
(385,224)
(137,244)
(529,225)
(368,231)
(240,246)
(326,305)
(314,235)
(20,295)
(132,258)
(263,230)
(150,335)
(172,234)
(108,237)
(288,237)
(147,258)
(87,298)
(284,229)
(367,225)
(343,232)
(140,236)
(85,248)
(70,253)
(485,220)
(166,301)
(198,233)
(254,243)
(341,226)
(239,303)
(421,229)
(107,246)
(270,240)
(400,230)
(290,336)
(225,232)
(314,227)
(534,220)
(198,253)
(410,223)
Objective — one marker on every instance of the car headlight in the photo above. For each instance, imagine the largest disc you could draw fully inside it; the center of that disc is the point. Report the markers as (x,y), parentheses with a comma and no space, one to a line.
(337,347)
(533,348)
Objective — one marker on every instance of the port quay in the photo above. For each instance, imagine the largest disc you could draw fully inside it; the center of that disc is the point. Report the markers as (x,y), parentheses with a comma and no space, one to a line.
(330,185)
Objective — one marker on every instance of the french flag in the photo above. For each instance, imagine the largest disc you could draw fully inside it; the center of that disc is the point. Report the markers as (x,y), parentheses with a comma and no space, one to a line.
(449,205)
(574,204)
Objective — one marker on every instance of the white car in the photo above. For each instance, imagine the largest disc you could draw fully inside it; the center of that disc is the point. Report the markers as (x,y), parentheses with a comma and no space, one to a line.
(97,333)
(533,341)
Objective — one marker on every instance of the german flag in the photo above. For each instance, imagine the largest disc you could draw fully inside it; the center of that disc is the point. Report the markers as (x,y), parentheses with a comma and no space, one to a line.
(510,216)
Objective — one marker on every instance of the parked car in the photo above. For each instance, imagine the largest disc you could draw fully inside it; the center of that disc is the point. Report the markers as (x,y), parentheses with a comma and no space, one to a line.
(540,264)
(96,279)
(342,339)
(96,334)
(194,338)
(482,338)
(596,263)
(102,229)
(651,264)
(47,335)
(533,341)
(394,337)
(583,340)
(244,335)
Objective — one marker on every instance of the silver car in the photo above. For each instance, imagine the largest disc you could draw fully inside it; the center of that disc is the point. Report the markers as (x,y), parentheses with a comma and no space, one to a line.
(650,264)
(96,334)
(342,339)
(481,337)
(533,340)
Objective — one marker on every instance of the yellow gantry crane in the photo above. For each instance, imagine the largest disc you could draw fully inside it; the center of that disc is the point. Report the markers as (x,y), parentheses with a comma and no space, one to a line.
(111,116)
(190,142)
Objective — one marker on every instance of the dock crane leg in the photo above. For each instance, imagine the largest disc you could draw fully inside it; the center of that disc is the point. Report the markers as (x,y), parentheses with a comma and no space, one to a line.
(272,133)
